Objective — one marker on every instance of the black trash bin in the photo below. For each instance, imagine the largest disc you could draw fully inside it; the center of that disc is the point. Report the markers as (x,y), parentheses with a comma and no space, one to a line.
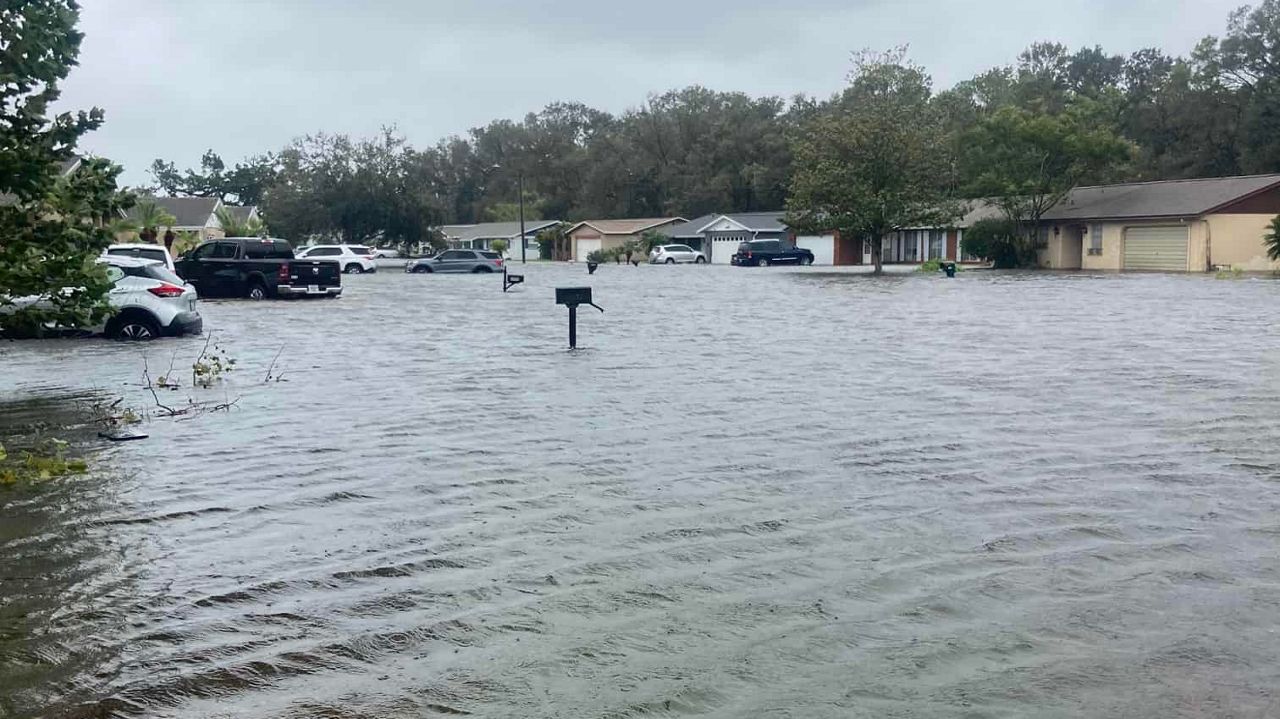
(949,268)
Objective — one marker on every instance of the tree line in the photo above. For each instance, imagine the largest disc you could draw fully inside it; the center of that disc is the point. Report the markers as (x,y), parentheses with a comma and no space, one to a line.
(1105,117)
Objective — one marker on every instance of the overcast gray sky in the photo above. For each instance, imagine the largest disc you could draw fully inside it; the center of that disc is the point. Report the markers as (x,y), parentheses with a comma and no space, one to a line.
(179,76)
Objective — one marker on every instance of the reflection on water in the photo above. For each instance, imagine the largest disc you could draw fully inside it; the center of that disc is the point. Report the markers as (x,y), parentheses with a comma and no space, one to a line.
(759,493)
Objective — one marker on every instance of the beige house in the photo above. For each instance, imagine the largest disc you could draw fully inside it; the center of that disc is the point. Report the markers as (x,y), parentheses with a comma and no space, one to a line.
(193,214)
(1169,226)
(591,235)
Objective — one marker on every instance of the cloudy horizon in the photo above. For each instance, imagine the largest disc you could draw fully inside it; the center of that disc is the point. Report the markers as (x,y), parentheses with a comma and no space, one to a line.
(177,78)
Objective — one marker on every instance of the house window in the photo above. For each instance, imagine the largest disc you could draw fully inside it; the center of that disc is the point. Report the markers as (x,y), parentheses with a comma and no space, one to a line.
(937,244)
(1095,239)
(911,246)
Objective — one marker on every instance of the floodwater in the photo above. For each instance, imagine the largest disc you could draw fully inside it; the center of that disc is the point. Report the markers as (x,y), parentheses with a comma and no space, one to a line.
(752,493)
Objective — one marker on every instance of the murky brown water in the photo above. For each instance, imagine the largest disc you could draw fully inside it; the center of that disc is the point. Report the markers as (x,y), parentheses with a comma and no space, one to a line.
(755,494)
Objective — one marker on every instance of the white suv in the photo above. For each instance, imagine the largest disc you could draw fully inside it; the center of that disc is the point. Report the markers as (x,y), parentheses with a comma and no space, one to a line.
(671,254)
(353,259)
(150,301)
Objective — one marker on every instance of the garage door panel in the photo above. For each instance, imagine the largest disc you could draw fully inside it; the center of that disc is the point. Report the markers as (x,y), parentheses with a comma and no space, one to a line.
(823,248)
(722,250)
(1160,249)
(586,247)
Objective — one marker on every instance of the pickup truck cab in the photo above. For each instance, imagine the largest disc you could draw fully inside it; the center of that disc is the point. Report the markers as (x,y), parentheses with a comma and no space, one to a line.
(762,253)
(257,268)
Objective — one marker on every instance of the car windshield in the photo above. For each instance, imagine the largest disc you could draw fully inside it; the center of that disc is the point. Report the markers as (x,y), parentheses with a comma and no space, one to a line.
(146,253)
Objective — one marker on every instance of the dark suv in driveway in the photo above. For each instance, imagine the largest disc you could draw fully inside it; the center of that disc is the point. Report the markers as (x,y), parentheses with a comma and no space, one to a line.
(762,253)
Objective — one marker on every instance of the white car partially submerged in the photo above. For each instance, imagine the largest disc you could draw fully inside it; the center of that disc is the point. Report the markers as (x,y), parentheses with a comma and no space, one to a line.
(150,302)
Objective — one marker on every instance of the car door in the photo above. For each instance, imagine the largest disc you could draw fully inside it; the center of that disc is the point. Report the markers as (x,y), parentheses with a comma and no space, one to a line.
(453,261)
(683,253)
(192,266)
(222,270)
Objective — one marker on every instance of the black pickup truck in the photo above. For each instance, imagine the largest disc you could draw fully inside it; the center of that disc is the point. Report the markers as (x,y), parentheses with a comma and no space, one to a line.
(257,268)
(762,253)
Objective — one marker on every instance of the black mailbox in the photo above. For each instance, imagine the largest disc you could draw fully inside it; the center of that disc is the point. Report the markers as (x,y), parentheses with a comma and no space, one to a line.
(573,296)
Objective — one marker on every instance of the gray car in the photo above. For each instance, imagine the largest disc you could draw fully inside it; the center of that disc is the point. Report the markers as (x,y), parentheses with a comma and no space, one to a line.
(476,261)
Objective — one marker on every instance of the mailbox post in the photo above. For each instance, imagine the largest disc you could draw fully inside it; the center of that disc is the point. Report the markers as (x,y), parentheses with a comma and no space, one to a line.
(571,297)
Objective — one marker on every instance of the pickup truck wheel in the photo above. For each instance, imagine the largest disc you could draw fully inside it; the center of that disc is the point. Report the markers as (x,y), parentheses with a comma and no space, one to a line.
(806,260)
(257,291)
(134,327)
(354,269)
(762,262)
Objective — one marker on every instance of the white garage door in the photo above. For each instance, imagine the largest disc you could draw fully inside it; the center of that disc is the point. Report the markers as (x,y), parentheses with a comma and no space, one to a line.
(722,249)
(823,248)
(584,248)
(1162,249)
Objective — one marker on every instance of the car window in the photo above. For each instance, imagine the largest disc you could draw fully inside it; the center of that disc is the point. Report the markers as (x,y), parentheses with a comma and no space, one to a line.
(360,250)
(225,251)
(114,274)
(744,247)
(266,250)
(162,273)
(324,252)
(205,251)
(146,253)
(682,248)
(456,255)
(490,255)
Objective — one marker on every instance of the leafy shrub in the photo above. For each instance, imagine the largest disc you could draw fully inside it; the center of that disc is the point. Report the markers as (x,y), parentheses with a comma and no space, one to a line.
(994,240)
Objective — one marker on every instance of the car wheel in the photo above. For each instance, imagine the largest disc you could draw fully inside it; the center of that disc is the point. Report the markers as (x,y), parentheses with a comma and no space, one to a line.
(421,270)
(762,262)
(699,260)
(354,269)
(135,327)
(257,291)
(671,260)
(806,261)
(481,270)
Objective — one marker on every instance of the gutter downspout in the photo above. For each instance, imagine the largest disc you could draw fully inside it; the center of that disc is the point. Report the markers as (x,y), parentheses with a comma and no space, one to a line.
(1208,246)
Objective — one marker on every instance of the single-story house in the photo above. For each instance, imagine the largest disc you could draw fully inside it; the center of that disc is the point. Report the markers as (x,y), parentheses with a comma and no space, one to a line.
(718,235)
(192,214)
(481,236)
(591,235)
(908,246)
(1170,226)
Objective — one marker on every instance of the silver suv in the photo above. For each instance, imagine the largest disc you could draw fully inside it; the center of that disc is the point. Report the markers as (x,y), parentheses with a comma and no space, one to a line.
(477,261)
(150,302)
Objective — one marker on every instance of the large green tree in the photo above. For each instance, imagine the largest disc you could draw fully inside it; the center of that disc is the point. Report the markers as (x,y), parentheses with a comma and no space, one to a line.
(1026,161)
(53,223)
(876,161)
(243,184)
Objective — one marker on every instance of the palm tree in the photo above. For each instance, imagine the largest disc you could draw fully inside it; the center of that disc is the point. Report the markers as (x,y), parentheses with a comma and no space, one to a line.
(122,227)
(150,217)
(233,227)
(1272,239)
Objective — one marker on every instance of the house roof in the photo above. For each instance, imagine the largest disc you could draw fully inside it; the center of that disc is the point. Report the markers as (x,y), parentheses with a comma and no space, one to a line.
(627,227)
(756,221)
(494,230)
(241,213)
(189,211)
(692,227)
(1167,198)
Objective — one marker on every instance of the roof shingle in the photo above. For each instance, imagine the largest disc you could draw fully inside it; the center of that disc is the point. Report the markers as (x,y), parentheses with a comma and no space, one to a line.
(1167,198)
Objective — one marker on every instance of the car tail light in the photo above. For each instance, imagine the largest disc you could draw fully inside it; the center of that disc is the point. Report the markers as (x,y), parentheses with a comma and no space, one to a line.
(283,274)
(167,290)
(498,261)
